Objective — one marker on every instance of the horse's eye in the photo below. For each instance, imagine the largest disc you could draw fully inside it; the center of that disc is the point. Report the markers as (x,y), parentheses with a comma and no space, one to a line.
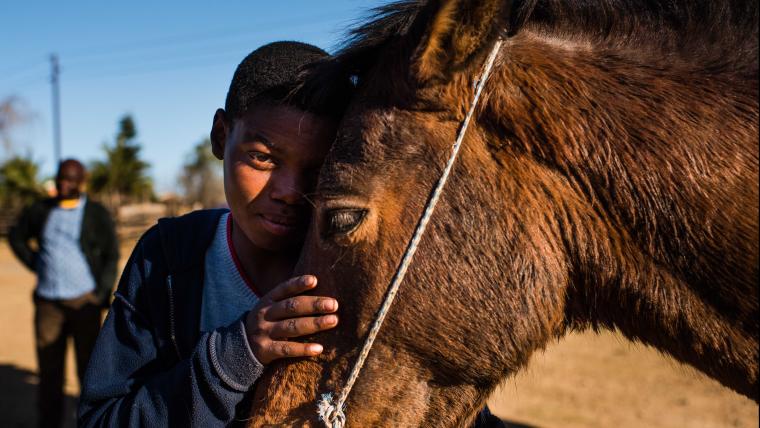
(342,221)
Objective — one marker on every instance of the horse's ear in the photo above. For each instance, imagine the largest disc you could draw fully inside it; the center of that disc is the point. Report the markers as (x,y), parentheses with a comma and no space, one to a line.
(454,33)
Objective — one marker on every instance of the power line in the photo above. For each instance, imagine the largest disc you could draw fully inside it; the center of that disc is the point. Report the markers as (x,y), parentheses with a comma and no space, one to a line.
(162,64)
(193,45)
(12,71)
(156,64)
(196,37)
(156,56)
(174,66)
(210,45)
(29,81)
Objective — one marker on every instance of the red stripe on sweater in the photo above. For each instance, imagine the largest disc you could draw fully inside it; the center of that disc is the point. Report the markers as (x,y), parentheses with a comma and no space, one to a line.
(235,259)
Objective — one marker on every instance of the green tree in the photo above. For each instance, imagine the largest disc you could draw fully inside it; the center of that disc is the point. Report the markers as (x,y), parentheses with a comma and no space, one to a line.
(201,177)
(18,182)
(122,177)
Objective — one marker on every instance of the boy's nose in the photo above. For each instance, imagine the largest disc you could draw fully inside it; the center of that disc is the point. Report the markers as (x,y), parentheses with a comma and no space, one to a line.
(287,189)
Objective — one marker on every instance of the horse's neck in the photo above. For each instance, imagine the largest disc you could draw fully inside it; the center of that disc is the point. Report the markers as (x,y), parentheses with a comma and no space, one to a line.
(665,156)
(661,146)
(705,31)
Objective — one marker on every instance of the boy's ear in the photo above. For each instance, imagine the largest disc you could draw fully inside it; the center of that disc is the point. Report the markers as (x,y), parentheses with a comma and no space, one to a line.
(218,133)
(453,33)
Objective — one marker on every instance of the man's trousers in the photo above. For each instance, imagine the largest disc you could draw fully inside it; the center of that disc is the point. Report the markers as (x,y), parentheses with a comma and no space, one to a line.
(54,322)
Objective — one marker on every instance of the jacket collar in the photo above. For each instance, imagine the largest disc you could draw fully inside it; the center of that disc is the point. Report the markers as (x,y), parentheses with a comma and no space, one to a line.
(185,239)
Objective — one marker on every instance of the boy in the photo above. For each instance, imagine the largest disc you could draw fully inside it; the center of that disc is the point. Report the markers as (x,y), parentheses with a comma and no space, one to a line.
(198,311)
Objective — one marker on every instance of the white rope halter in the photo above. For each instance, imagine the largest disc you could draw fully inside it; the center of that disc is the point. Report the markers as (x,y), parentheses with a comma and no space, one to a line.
(330,411)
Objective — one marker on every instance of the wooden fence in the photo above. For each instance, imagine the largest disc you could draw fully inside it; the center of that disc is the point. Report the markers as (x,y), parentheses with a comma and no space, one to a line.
(131,220)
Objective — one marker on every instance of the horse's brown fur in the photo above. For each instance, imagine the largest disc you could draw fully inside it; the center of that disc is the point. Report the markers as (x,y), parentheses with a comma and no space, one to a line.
(611,181)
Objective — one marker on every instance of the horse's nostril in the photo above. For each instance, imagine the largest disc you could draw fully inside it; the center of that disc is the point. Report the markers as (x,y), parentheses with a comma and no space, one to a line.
(343,220)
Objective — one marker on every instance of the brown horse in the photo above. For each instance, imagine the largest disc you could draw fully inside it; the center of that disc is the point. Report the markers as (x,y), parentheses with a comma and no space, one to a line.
(610,180)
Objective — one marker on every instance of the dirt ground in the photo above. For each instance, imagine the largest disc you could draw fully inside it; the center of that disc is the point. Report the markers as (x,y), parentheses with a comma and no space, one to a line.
(584,380)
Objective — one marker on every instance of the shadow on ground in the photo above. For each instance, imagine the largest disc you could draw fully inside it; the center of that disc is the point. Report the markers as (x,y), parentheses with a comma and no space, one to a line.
(18,399)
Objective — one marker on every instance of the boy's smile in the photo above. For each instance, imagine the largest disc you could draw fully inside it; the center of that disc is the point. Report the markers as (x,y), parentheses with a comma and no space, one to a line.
(272,155)
(279,225)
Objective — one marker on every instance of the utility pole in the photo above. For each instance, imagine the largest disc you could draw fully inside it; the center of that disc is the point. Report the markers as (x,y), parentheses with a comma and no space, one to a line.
(54,71)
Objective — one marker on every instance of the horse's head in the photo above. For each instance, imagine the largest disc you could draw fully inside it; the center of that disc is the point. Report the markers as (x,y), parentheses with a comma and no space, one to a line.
(446,342)
(566,206)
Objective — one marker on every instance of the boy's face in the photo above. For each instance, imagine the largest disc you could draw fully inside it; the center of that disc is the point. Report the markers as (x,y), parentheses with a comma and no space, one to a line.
(272,155)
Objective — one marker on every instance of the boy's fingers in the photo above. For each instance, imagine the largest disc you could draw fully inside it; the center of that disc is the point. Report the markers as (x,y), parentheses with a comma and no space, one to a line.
(293,286)
(282,349)
(296,327)
(299,306)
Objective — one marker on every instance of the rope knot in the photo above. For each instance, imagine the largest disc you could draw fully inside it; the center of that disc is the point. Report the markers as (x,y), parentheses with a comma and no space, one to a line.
(330,413)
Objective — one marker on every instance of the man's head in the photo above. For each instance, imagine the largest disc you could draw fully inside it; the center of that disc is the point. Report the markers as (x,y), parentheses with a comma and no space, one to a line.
(273,142)
(69,180)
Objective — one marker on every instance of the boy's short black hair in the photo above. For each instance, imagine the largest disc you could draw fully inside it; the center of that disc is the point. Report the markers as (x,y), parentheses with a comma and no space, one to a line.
(270,76)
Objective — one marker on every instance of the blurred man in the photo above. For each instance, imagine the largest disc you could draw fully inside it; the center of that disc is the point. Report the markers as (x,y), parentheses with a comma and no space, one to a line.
(74,255)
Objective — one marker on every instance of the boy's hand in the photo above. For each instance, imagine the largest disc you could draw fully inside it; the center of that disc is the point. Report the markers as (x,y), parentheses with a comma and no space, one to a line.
(282,314)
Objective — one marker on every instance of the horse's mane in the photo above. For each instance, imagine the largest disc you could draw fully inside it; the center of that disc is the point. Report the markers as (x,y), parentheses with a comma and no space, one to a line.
(704,30)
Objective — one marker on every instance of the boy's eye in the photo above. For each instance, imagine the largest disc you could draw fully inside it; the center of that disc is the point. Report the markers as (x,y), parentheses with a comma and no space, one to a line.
(261,160)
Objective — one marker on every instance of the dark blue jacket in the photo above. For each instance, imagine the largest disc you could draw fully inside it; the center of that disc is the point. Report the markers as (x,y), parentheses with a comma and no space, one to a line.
(151,365)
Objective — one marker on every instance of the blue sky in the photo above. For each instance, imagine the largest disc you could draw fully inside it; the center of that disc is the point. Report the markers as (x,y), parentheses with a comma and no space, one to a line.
(168,63)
